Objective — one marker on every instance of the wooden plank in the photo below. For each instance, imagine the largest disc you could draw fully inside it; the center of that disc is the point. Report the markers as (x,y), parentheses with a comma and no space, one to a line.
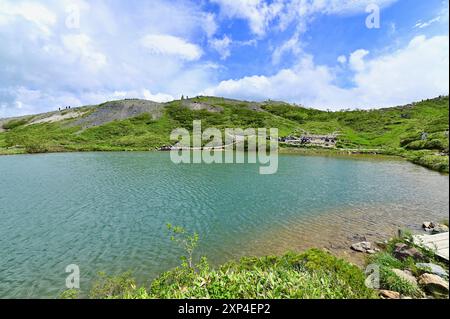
(443,254)
(437,237)
(438,242)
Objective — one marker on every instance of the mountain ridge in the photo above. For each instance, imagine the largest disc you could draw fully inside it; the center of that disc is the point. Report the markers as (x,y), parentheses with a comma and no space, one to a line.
(417,131)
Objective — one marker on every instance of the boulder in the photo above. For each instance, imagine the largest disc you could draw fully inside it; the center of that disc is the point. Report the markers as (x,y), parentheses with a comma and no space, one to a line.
(434,284)
(434,269)
(362,246)
(427,225)
(439,228)
(434,228)
(406,275)
(388,294)
(403,251)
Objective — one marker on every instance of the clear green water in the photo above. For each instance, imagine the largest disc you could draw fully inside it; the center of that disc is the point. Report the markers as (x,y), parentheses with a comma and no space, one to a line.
(108,211)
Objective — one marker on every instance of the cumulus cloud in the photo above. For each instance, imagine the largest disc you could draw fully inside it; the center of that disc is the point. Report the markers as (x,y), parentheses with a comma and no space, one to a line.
(356,60)
(417,71)
(46,62)
(170,45)
(159,97)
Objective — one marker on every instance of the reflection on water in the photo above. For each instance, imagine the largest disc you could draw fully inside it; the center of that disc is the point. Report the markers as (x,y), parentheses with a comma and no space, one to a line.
(108,211)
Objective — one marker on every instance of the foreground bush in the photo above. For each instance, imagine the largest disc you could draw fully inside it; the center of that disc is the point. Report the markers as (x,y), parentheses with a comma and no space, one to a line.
(312,274)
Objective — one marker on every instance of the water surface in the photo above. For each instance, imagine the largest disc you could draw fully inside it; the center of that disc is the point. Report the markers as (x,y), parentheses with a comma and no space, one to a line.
(108,211)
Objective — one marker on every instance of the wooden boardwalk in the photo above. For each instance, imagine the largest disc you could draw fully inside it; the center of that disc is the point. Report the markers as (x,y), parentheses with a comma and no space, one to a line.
(438,243)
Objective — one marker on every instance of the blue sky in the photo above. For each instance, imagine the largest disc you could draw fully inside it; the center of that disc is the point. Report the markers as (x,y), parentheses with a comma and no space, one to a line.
(318,53)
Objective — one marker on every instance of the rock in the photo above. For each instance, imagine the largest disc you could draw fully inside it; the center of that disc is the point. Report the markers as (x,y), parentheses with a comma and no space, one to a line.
(434,284)
(406,275)
(388,294)
(403,251)
(434,228)
(361,246)
(433,268)
(426,225)
(371,251)
(382,244)
(439,228)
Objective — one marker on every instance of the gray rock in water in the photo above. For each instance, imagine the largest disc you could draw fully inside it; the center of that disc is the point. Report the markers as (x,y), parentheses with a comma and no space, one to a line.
(434,269)
(434,284)
(406,275)
(362,246)
(439,228)
(434,228)
(426,225)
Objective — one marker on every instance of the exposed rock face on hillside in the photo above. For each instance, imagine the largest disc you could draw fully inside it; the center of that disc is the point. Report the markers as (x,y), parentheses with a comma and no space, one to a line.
(197,106)
(119,110)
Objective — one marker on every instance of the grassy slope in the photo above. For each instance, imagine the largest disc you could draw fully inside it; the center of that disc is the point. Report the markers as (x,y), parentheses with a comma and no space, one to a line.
(393,130)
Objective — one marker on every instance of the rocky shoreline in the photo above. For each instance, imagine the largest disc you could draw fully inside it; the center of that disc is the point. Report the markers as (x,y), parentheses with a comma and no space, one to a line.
(406,270)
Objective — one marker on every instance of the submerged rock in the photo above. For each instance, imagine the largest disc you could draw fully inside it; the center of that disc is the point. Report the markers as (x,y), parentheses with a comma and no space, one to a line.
(362,247)
(433,268)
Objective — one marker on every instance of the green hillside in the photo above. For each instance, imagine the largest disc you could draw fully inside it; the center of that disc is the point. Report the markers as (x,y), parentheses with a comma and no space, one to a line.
(418,131)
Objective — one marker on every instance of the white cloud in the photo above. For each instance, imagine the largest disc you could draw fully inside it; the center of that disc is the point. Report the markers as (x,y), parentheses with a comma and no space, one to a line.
(417,71)
(440,17)
(209,24)
(422,25)
(356,60)
(291,45)
(103,57)
(342,59)
(35,13)
(80,47)
(222,46)
(259,13)
(170,45)
(159,97)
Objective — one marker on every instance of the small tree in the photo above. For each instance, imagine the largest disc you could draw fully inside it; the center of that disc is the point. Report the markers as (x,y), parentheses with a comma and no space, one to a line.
(188,241)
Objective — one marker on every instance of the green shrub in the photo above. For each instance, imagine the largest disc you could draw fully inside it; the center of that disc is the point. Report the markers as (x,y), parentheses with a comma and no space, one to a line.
(70,294)
(390,281)
(14,124)
(387,260)
(313,274)
(113,287)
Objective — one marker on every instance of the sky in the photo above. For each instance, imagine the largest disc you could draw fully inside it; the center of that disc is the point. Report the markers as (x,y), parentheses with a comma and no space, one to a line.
(326,54)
